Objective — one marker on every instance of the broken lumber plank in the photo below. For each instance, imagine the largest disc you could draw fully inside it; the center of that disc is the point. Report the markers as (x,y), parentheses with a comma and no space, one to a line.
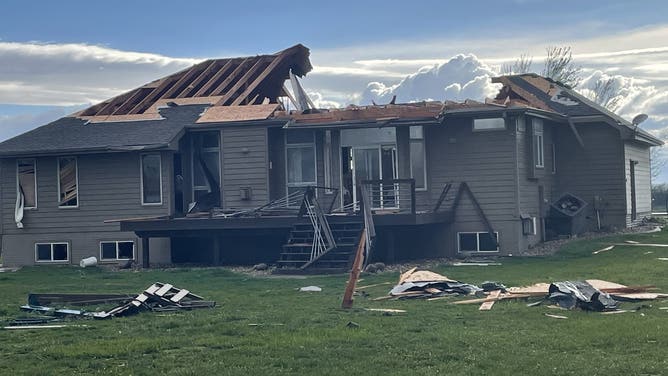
(501,297)
(643,245)
(354,272)
(603,250)
(164,289)
(179,295)
(385,310)
(374,285)
(486,306)
(555,316)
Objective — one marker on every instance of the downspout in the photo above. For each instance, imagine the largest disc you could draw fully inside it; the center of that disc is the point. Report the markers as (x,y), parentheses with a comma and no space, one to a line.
(517,177)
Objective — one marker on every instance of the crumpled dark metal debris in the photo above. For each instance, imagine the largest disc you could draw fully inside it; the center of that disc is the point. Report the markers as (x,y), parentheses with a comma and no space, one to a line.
(157,298)
(488,286)
(579,294)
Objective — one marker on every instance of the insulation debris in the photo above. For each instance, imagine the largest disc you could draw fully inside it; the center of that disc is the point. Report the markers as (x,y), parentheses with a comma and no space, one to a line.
(427,284)
(156,298)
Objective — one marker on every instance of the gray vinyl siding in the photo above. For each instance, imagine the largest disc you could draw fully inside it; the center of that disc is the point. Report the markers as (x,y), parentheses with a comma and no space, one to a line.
(596,169)
(640,153)
(244,164)
(529,183)
(484,160)
(109,187)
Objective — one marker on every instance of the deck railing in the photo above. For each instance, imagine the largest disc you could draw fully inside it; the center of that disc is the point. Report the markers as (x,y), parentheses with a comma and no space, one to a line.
(393,195)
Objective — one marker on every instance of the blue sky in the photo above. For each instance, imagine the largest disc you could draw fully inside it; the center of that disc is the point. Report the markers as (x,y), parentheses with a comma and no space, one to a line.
(59,56)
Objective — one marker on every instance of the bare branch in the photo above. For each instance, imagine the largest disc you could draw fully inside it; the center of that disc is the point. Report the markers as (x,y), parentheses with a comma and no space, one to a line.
(520,66)
(559,66)
(607,94)
(657,161)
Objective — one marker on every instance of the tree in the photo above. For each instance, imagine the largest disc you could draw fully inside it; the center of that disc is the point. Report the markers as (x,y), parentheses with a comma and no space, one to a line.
(520,66)
(606,93)
(558,66)
(656,162)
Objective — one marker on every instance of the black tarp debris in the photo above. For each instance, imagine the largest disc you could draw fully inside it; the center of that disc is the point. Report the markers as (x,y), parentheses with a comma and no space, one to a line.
(580,294)
(426,284)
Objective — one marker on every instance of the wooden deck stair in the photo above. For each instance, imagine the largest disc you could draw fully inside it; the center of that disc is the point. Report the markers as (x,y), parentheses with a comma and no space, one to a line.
(296,252)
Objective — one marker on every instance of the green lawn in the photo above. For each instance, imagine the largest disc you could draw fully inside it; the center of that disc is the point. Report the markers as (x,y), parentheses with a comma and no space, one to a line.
(306,333)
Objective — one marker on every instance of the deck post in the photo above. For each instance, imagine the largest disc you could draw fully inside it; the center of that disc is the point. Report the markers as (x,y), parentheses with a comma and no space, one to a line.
(216,250)
(145,252)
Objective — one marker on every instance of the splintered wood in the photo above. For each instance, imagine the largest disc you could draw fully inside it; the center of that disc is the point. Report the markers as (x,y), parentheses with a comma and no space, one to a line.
(486,306)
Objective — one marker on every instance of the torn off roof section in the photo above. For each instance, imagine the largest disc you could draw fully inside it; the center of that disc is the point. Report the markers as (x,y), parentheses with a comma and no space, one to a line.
(219,82)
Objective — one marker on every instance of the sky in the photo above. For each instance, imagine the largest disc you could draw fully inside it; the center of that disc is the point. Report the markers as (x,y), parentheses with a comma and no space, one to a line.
(70,54)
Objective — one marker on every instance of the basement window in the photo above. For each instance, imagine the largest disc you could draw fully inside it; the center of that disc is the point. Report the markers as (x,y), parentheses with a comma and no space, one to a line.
(68,176)
(117,250)
(491,124)
(151,179)
(477,242)
(528,224)
(26,178)
(52,252)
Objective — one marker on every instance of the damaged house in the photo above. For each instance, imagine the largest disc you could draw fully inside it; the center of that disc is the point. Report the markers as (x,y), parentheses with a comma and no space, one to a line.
(222,164)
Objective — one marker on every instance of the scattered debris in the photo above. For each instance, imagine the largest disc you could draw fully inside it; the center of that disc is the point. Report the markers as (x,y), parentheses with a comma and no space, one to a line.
(311,289)
(352,325)
(631,242)
(487,305)
(556,316)
(44,326)
(376,267)
(157,298)
(644,245)
(572,294)
(476,264)
(603,250)
(374,285)
(261,266)
(662,258)
(385,310)
(5,269)
(426,284)
(88,261)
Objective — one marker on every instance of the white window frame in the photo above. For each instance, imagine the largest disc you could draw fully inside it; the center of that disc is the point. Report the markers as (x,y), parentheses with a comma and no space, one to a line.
(424,158)
(34,164)
(76,173)
(477,233)
(141,179)
(538,143)
(312,144)
(134,250)
(52,261)
(218,150)
(327,159)
(489,129)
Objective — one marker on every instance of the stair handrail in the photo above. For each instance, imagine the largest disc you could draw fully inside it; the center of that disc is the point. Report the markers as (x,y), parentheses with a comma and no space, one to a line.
(323,239)
(369,226)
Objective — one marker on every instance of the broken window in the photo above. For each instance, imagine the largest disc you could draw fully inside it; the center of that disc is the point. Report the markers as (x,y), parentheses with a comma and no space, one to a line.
(300,156)
(418,157)
(52,252)
(117,250)
(151,179)
(477,242)
(68,191)
(538,153)
(205,149)
(491,124)
(27,181)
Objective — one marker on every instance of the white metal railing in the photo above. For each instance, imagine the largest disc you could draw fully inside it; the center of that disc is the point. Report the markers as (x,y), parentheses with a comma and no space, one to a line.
(323,239)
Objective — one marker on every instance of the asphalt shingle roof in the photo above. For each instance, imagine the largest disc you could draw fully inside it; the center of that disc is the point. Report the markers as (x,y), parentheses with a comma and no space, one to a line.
(70,134)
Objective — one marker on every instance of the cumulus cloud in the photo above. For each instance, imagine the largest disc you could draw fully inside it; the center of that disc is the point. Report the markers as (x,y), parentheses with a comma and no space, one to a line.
(67,74)
(459,78)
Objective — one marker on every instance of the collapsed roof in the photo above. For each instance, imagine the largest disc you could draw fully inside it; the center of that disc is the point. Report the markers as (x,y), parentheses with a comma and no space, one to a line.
(219,82)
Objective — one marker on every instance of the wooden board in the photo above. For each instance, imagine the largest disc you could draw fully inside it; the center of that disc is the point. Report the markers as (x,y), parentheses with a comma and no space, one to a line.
(486,306)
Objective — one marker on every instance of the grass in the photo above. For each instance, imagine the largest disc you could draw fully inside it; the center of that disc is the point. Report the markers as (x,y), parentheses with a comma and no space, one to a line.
(306,333)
